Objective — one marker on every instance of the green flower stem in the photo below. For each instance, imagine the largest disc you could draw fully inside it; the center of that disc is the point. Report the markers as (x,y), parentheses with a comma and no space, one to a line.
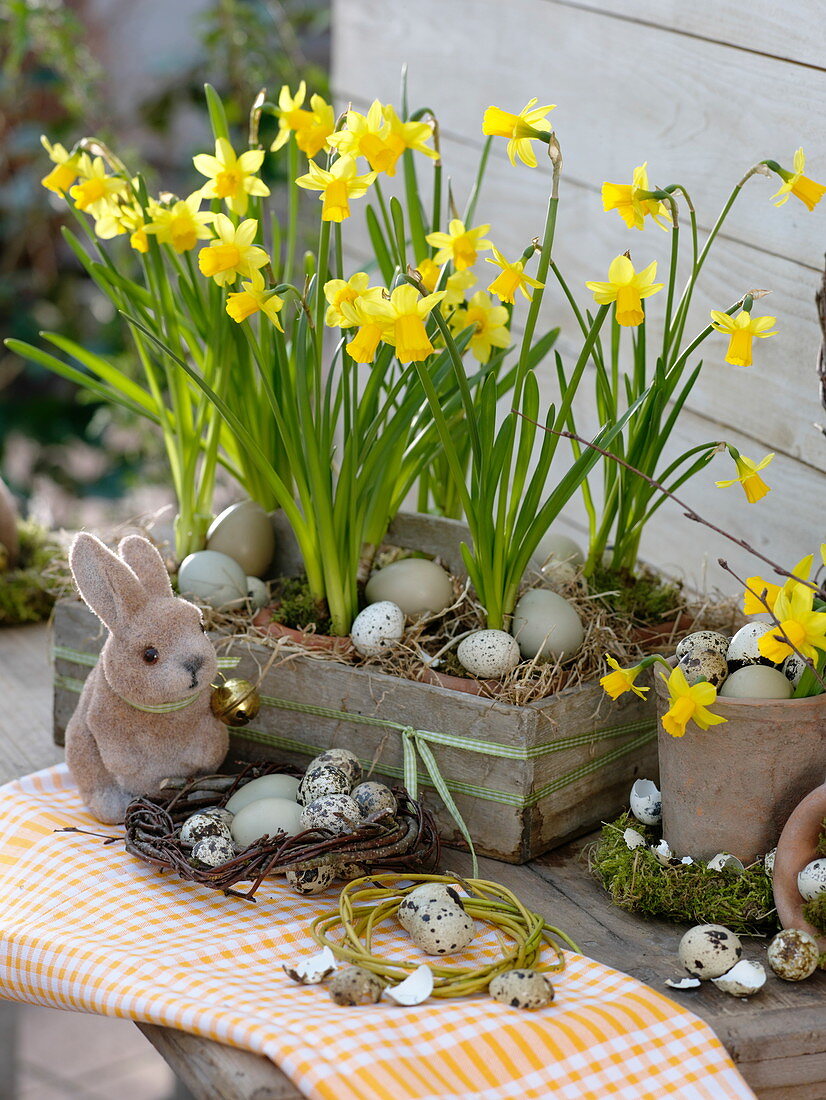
(292,210)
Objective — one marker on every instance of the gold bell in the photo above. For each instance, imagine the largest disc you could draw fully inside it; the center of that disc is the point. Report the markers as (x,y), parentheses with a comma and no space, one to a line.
(235,702)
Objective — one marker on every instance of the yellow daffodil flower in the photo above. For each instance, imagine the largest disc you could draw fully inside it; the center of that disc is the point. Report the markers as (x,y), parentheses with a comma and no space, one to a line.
(688,704)
(66,166)
(619,681)
(252,298)
(409,135)
(232,253)
(337,187)
(429,273)
(459,244)
(374,320)
(520,129)
(748,475)
(339,291)
(312,128)
(489,325)
(455,288)
(368,136)
(626,287)
(511,279)
(795,183)
(756,586)
(132,221)
(403,317)
(631,207)
(182,224)
(96,191)
(804,628)
(231,178)
(741,330)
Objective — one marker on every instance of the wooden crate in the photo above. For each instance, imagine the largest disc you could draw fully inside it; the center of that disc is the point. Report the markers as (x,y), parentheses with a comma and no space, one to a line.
(524,779)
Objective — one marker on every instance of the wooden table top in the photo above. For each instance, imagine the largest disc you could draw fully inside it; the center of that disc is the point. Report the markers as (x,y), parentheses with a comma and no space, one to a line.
(778,1039)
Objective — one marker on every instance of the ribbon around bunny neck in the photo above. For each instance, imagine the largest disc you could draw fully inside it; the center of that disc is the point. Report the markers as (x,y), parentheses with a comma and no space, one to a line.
(159,708)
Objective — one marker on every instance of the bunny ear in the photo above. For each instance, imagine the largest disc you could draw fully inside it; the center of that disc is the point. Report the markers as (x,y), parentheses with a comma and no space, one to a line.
(141,556)
(106,583)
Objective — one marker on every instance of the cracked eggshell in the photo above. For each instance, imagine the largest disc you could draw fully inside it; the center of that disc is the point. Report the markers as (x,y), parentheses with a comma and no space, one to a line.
(266,786)
(417,585)
(327,778)
(700,641)
(662,853)
(337,813)
(212,578)
(374,799)
(793,955)
(488,654)
(743,980)
(545,624)
(414,990)
(265,817)
(528,989)
(245,533)
(704,664)
(342,758)
(683,983)
(355,986)
(633,839)
(201,825)
(212,851)
(709,950)
(811,880)
(440,927)
(377,628)
(724,861)
(742,649)
(768,862)
(310,880)
(313,970)
(646,802)
(756,682)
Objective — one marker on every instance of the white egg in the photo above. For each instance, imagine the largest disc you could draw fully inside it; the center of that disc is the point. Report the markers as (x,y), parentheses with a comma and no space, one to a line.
(257,594)
(756,682)
(811,881)
(558,547)
(743,648)
(417,585)
(266,786)
(213,578)
(245,533)
(545,623)
(793,669)
(266,817)
(488,653)
(646,802)
(377,628)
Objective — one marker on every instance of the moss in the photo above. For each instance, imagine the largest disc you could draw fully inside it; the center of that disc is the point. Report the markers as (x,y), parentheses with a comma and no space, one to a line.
(643,596)
(293,604)
(451,666)
(637,882)
(25,595)
(815,912)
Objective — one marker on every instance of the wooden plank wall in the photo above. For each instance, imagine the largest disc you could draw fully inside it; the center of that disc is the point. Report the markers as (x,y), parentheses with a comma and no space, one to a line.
(701,91)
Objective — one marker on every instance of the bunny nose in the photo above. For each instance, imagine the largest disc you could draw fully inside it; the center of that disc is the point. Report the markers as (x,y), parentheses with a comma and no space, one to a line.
(192,666)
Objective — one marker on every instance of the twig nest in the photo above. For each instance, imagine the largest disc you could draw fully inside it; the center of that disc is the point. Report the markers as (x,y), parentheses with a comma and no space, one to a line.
(213,851)
(416,585)
(756,682)
(811,880)
(522,989)
(743,649)
(354,986)
(201,825)
(310,880)
(374,799)
(743,980)
(349,870)
(709,950)
(700,641)
(342,758)
(337,813)
(705,664)
(646,802)
(244,531)
(793,955)
(436,922)
(327,778)
(266,786)
(213,578)
(489,654)
(377,628)
(546,625)
(265,817)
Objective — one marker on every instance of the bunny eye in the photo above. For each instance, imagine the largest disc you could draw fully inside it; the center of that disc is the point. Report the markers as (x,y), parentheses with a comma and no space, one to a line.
(150,655)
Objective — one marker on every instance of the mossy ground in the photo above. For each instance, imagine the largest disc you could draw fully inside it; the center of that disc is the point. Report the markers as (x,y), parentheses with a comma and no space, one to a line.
(693,894)
(293,604)
(644,596)
(25,595)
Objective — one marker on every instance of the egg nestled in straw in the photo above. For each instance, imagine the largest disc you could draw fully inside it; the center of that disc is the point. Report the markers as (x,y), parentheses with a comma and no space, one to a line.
(489,654)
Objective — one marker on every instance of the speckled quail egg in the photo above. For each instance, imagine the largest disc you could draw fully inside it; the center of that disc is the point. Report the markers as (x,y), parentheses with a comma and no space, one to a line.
(213,578)
(704,664)
(200,825)
(265,817)
(756,682)
(337,813)
(426,894)
(440,927)
(221,813)
(743,980)
(811,880)
(709,950)
(793,669)
(701,640)
(522,989)
(325,779)
(342,758)
(646,802)
(488,653)
(266,786)
(374,799)
(354,986)
(310,880)
(212,851)
(545,624)
(417,585)
(743,650)
(348,871)
(793,955)
(244,531)
(377,628)
(768,862)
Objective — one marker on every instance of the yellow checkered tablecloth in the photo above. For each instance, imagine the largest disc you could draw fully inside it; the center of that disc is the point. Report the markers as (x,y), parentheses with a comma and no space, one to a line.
(88,927)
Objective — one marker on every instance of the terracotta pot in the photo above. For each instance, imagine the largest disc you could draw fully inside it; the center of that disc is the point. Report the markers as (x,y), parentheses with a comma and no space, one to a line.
(731,788)
(265,623)
(467,684)
(663,632)
(797,847)
(8,525)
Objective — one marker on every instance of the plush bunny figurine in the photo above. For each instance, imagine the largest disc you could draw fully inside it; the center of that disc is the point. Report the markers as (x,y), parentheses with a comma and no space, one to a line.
(144,713)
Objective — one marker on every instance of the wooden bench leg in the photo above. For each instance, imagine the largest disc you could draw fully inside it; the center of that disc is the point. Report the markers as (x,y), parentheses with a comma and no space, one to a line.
(9,1016)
